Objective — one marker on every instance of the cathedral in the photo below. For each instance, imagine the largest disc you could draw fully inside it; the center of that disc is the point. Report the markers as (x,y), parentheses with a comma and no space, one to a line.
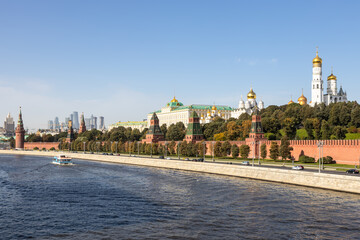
(249,106)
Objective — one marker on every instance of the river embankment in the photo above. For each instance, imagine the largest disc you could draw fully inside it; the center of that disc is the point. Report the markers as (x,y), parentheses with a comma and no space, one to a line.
(328,181)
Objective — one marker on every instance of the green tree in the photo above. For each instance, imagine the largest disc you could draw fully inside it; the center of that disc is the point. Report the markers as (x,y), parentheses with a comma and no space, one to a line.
(217,149)
(355,116)
(225,148)
(317,128)
(191,149)
(274,150)
(285,149)
(340,132)
(183,148)
(325,130)
(309,127)
(164,129)
(244,151)
(235,151)
(175,132)
(290,127)
(263,151)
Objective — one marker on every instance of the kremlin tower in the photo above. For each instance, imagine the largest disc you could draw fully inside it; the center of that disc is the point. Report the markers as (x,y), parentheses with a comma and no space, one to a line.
(154,133)
(20,133)
(70,136)
(82,124)
(193,131)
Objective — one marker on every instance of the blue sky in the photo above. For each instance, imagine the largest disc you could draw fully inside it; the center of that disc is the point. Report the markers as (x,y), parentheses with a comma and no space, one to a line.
(123,59)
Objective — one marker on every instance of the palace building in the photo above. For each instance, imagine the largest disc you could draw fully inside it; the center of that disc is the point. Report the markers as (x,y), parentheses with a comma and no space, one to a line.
(249,106)
(175,111)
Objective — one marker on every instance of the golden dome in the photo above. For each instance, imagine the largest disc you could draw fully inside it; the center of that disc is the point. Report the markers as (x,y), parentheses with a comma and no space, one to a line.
(174,100)
(251,94)
(317,59)
(291,101)
(214,108)
(302,100)
(332,77)
(208,111)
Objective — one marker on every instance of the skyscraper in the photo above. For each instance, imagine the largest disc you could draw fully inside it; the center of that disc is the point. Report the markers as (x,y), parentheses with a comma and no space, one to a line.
(75,120)
(50,125)
(88,123)
(9,126)
(101,122)
(56,123)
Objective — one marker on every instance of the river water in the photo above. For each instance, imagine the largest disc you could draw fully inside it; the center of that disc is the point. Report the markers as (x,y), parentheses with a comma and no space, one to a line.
(93,200)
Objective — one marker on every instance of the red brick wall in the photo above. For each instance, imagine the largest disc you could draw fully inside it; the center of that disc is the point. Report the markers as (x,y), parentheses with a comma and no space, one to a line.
(41,145)
(342,151)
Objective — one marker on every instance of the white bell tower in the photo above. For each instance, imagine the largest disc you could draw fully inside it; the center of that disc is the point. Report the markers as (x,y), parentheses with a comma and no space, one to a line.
(317,88)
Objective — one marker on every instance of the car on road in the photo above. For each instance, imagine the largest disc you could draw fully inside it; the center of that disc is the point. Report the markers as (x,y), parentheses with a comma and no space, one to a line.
(299,167)
(168,158)
(245,163)
(187,159)
(352,171)
(161,157)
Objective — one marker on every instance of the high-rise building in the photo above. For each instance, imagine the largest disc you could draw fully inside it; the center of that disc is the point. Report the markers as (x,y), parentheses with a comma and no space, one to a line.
(93,122)
(75,120)
(101,122)
(9,126)
(50,125)
(56,123)
(88,123)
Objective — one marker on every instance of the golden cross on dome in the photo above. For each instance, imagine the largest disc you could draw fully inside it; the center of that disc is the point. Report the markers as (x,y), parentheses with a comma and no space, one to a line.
(317,50)
(331,69)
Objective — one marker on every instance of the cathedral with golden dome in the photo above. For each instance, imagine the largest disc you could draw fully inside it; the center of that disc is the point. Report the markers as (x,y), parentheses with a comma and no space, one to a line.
(248,106)
(318,96)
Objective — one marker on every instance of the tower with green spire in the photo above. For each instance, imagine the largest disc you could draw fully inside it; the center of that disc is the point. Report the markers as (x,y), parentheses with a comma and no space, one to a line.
(70,135)
(256,136)
(154,133)
(193,131)
(20,133)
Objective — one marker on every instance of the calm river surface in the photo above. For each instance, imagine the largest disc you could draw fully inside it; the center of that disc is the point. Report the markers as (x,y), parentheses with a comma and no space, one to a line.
(93,200)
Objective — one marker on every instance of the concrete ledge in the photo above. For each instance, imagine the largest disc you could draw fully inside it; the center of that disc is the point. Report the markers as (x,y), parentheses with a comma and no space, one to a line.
(342,183)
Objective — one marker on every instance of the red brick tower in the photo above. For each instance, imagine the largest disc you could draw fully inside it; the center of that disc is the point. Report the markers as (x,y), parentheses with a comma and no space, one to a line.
(70,136)
(82,124)
(20,133)
(193,131)
(256,136)
(154,133)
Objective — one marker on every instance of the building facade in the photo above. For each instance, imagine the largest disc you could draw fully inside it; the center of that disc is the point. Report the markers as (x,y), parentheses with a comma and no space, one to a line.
(141,125)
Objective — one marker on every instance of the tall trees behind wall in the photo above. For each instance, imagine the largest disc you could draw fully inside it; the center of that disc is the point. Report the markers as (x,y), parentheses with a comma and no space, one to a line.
(319,122)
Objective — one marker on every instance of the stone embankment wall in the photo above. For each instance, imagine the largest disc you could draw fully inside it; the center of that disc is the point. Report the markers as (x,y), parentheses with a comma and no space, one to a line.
(311,179)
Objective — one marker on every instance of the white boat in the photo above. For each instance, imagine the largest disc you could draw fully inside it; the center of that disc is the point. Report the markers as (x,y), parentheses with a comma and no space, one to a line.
(62,160)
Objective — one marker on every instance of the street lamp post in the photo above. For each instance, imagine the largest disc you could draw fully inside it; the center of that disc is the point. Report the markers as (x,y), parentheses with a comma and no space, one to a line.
(253,159)
(129,148)
(84,146)
(204,143)
(178,149)
(320,145)
(151,150)
(259,153)
(138,143)
(116,145)
(212,151)
(97,144)
(165,149)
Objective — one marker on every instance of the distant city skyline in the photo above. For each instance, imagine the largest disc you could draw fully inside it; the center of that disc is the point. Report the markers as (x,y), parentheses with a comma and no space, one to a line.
(132,57)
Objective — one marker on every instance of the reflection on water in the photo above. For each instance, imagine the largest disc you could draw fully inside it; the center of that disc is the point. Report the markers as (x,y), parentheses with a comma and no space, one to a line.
(97,201)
